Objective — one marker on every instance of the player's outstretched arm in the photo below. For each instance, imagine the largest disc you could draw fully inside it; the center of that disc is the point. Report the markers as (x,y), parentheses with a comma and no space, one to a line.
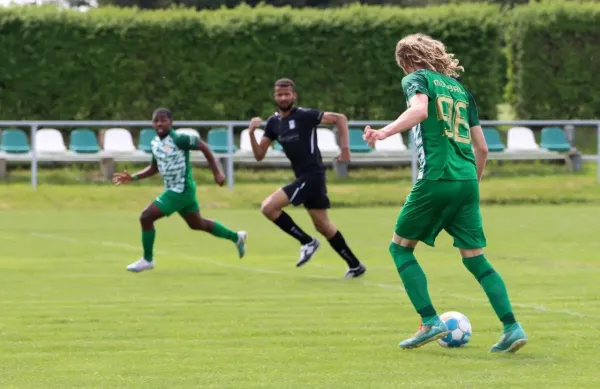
(414,115)
(480,149)
(210,158)
(258,149)
(341,123)
(126,178)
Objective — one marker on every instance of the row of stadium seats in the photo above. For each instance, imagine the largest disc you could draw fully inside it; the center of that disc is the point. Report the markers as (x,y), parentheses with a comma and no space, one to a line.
(120,140)
(522,139)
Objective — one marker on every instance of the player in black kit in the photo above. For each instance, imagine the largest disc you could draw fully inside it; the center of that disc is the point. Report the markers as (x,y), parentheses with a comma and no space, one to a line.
(296,130)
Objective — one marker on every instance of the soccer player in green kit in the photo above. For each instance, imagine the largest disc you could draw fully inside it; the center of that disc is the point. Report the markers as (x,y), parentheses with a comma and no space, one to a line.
(170,158)
(452,153)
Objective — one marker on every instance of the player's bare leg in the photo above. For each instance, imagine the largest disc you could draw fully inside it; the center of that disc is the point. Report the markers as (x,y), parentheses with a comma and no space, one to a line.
(147,219)
(415,284)
(513,337)
(323,224)
(272,208)
(196,222)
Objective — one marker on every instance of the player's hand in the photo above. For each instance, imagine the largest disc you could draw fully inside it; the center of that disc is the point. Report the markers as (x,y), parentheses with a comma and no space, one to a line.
(372,136)
(122,178)
(344,155)
(254,124)
(219,179)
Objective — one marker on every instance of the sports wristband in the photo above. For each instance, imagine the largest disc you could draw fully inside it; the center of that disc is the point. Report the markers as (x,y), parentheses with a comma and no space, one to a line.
(135,178)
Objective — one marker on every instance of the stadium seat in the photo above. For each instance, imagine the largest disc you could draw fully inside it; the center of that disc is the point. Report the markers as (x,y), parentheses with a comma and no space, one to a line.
(521,139)
(245,145)
(14,141)
(145,139)
(118,140)
(217,140)
(554,139)
(49,140)
(391,144)
(493,140)
(326,141)
(357,143)
(188,131)
(277,146)
(83,140)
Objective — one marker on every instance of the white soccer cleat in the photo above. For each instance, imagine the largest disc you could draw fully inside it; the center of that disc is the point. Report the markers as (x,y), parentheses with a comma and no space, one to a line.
(140,265)
(241,243)
(307,251)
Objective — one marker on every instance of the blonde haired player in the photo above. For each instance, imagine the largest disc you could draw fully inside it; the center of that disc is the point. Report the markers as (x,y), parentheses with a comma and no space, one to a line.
(452,153)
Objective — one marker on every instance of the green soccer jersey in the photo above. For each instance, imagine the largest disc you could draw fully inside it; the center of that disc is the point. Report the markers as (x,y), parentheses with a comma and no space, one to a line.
(172,156)
(443,140)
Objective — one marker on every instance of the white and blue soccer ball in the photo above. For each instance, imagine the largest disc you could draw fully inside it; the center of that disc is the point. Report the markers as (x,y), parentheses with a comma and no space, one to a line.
(460,330)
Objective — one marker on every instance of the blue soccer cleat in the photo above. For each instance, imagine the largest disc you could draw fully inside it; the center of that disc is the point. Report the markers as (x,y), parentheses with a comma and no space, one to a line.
(426,334)
(512,340)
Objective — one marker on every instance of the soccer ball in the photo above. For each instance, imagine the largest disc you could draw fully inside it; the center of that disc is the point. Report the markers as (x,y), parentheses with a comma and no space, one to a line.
(460,330)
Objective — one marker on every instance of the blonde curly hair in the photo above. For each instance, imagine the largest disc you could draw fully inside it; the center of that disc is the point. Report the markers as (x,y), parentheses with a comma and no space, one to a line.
(420,51)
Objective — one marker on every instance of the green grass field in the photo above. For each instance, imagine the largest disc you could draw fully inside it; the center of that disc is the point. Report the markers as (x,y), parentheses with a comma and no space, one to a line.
(72,317)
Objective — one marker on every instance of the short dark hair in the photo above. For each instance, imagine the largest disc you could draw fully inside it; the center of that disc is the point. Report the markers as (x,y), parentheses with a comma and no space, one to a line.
(285,82)
(161,112)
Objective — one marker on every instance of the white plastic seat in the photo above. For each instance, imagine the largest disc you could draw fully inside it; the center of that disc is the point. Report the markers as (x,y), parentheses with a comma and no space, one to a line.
(188,131)
(392,143)
(521,139)
(326,141)
(49,140)
(118,140)
(245,145)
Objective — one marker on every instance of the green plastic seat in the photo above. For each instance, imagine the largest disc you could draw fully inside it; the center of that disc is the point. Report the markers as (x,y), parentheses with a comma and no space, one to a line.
(277,146)
(83,140)
(14,141)
(217,140)
(554,139)
(145,139)
(493,140)
(357,143)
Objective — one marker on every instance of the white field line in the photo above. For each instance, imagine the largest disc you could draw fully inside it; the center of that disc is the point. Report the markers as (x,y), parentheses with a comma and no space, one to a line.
(534,307)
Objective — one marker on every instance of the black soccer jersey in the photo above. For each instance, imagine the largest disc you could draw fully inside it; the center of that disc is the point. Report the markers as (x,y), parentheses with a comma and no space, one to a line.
(297,134)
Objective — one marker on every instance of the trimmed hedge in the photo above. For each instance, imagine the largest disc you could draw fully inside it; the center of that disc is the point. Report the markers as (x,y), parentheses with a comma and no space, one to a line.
(116,64)
(553,60)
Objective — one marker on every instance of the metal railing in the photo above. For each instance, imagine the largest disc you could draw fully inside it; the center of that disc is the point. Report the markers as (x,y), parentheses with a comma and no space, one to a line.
(230,125)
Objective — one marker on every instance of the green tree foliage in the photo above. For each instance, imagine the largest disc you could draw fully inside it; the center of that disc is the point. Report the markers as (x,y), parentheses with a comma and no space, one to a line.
(121,64)
(214,4)
(553,60)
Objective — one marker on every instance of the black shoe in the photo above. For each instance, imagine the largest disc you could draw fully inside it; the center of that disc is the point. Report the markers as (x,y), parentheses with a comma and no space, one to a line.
(355,272)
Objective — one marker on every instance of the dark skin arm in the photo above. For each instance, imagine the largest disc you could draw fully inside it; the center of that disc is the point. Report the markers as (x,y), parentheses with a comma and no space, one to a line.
(152,169)
(219,177)
(341,123)
(126,178)
(259,149)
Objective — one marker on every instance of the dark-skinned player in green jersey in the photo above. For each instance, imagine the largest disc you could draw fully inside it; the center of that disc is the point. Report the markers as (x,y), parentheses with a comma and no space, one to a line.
(171,158)
(452,153)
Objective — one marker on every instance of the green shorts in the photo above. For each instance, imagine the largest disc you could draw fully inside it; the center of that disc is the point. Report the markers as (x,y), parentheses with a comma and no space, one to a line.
(183,203)
(433,206)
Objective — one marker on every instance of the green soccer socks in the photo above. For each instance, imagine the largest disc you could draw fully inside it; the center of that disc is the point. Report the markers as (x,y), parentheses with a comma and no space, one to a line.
(494,288)
(148,244)
(415,282)
(221,231)
(239,238)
